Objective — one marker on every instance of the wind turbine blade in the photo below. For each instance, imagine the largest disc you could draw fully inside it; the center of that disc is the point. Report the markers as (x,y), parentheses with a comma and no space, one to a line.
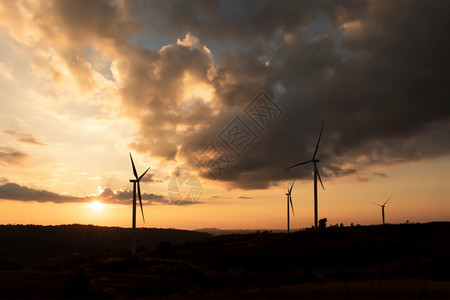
(143,174)
(387,200)
(140,200)
(377,204)
(134,168)
(291,187)
(292,206)
(320,179)
(302,163)
(318,141)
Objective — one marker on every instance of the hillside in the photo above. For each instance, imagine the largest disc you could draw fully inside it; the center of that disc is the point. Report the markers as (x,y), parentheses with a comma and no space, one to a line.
(392,261)
(25,245)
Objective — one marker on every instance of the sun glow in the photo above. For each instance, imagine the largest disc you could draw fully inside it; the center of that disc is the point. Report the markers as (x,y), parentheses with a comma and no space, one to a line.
(96,205)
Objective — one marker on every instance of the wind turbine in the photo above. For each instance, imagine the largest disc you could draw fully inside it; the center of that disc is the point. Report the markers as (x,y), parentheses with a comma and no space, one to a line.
(382,207)
(289,200)
(136,183)
(316,175)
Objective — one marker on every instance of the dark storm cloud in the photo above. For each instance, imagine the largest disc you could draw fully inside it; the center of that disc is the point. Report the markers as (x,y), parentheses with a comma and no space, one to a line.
(125,196)
(378,77)
(14,191)
(375,71)
(225,20)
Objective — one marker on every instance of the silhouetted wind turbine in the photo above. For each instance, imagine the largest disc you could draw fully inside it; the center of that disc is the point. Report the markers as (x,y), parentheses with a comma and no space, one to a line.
(316,175)
(289,200)
(136,183)
(382,207)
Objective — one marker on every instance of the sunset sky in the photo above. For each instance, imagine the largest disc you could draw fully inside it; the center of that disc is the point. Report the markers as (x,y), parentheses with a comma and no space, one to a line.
(226,94)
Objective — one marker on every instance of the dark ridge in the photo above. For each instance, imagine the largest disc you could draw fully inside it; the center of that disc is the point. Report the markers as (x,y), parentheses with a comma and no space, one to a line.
(404,261)
(24,245)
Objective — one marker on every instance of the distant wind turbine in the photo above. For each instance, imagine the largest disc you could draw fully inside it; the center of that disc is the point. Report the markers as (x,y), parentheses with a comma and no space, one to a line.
(382,207)
(289,200)
(136,183)
(316,175)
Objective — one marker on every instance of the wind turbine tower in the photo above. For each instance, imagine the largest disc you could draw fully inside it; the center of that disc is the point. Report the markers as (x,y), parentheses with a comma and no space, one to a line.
(136,182)
(289,200)
(382,208)
(314,161)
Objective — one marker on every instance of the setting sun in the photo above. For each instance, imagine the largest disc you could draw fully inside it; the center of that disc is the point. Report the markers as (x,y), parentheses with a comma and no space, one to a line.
(96,206)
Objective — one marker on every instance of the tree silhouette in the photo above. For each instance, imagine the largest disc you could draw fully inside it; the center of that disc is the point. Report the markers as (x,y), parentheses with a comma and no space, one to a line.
(323,223)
